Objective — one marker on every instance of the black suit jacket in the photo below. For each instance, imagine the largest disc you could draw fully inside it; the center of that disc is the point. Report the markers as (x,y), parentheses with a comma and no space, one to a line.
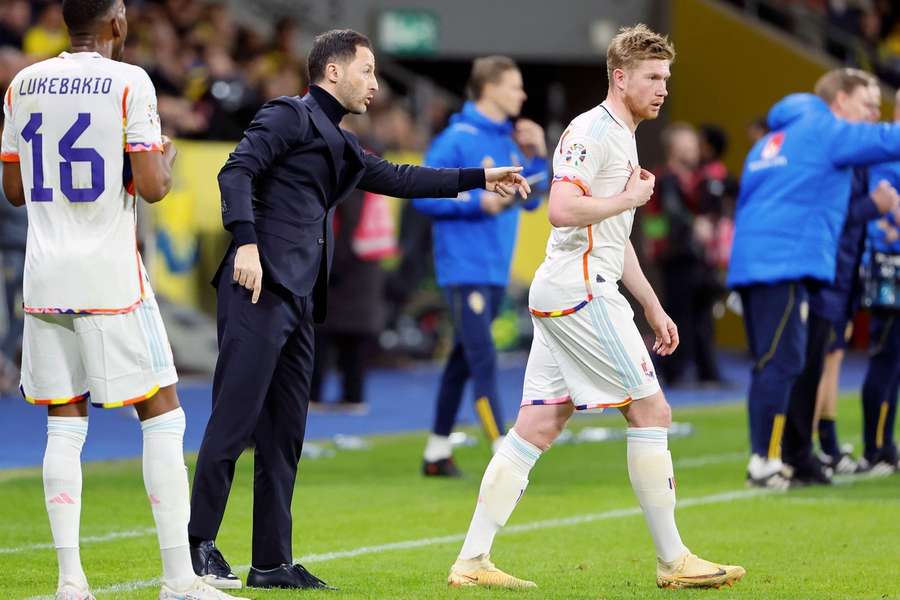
(286,176)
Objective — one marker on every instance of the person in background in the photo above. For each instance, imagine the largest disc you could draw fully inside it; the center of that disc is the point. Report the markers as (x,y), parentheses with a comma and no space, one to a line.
(691,283)
(364,235)
(793,202)
(13,231)
(870,197)
(474,237)
(882,381)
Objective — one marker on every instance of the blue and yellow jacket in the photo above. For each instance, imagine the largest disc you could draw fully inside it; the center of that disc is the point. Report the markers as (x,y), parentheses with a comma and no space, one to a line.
(471,247)
(795,191)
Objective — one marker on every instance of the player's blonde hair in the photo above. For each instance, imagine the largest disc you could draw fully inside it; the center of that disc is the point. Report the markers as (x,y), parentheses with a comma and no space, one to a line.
(842,80)
(634,44)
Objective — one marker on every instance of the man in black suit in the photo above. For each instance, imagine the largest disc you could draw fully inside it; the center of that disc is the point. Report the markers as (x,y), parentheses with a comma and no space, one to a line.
(279,190)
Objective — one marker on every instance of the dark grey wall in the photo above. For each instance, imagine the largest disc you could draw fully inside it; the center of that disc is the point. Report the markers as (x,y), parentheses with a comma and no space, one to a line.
(546,30)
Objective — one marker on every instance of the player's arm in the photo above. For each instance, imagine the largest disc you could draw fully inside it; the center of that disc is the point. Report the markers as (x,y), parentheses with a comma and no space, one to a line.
(636,282)
(152,171)
(410,181)
(13,188)
(12,184)
(275,129)
(571,204)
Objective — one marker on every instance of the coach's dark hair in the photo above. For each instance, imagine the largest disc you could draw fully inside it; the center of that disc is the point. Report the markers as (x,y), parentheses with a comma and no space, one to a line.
(842,80)
(80,15)
(487,69)
(332,46)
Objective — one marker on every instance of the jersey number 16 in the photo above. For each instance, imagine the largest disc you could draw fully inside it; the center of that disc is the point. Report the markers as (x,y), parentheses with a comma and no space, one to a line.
(70,155)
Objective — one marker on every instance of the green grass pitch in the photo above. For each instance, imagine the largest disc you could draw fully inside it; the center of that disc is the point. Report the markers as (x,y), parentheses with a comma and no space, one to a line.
(368,523)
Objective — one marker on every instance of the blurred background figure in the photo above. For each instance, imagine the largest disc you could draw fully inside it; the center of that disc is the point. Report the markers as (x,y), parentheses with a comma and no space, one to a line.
(688,195)
(882,295)
(13,231)
(474,238)
(357,308)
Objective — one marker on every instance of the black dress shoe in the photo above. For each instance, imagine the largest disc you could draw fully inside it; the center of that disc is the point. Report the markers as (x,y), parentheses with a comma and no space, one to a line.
(285,576)
(212,567)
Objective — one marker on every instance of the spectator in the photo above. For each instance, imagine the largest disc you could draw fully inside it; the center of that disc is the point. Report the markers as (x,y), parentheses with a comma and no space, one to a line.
(48,36)
(15,18)
(690,282)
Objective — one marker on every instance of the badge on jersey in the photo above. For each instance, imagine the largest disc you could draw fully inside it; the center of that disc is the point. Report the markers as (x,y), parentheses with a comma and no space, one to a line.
(575,154)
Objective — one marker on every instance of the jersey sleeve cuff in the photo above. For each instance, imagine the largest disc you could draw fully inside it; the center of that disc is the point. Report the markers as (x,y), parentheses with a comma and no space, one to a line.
(143,147)
(571,179)
(10,157)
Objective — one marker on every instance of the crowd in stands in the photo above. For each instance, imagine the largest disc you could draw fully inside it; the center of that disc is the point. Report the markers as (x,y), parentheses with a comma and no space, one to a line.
(858,33)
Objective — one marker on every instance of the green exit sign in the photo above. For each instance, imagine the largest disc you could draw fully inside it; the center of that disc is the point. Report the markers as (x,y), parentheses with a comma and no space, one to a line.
(408,31)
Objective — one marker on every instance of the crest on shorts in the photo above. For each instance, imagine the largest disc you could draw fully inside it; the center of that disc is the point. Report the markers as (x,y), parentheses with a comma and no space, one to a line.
(575,154)
(648,371)
(476,302)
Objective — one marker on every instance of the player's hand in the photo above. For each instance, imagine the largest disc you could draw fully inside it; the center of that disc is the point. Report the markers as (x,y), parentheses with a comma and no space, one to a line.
(493,204)
(885,197)
(530,138)
(505,181)
(248,270)
(169,150)
(640,186)
(665,330)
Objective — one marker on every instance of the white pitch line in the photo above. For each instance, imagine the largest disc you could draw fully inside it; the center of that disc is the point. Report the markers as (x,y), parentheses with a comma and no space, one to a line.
(710,459)
(91,539)
(684,463)
(619,513)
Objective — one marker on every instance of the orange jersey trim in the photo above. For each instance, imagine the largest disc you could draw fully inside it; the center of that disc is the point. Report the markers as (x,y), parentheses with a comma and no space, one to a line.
(584,262)
(10,157)
(54,401)
(581,185)
(44,310)
(130,401)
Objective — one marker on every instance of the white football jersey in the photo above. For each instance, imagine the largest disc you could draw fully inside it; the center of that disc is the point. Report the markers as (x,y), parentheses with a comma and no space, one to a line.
(69,121)
(597,152)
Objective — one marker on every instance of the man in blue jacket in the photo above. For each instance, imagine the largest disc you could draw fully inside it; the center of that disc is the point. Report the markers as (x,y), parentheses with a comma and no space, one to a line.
(832,306)
(474,237)
(793,203)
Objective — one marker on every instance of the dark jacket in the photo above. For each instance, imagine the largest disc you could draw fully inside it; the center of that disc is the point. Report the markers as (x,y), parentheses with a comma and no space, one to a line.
(838,301)
(287,175)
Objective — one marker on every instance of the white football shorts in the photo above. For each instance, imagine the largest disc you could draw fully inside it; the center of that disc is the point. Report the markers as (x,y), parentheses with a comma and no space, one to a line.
(593,357)
(112,360)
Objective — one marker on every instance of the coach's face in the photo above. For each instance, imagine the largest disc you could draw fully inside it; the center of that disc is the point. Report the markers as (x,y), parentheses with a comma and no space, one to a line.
(356,84)
(644,87)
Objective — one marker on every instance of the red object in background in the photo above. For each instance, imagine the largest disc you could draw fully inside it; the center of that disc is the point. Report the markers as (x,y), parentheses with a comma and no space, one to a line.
(375,237)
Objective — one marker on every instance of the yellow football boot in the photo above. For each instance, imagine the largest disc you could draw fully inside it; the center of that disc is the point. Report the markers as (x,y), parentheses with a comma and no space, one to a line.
(480,571)
(691,571)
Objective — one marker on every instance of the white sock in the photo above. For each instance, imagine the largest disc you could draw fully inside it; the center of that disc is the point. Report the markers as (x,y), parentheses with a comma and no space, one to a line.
(504,482)
(653,481)
(62,493)
(438,448)
(166,482)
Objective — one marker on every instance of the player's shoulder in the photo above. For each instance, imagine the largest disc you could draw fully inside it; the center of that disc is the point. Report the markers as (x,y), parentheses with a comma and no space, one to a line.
(131,74)
(36,69)
(592,124)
